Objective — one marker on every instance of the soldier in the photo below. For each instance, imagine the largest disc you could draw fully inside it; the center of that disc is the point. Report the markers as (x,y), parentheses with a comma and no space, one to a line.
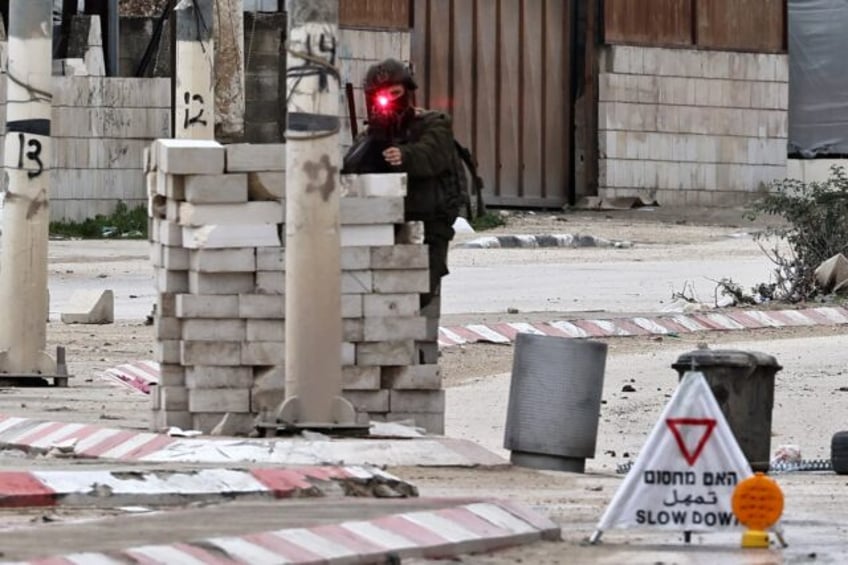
(402,138)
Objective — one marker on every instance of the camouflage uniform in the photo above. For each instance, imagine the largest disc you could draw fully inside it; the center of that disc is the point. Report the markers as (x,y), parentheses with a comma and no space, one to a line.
(425,139)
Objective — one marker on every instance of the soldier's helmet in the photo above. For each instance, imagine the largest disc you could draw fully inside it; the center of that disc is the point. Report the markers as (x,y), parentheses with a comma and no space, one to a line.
(388,73)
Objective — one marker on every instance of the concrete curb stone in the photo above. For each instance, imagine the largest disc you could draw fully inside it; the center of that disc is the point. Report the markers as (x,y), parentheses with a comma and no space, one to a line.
(541,240)
(455,529)
(662,324)
(141,375)
(87,441)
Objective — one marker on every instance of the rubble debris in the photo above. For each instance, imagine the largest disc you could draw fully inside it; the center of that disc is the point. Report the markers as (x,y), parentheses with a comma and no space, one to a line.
(832,275)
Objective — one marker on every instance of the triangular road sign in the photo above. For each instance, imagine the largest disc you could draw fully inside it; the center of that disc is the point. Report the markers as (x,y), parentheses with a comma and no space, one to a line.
(685,474)
(687,429)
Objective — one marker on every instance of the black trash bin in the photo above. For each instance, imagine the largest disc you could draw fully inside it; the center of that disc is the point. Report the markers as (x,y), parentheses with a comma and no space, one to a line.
(743,384)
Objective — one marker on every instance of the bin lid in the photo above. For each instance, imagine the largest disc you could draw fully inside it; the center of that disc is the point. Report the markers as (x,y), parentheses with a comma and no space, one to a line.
(725,358)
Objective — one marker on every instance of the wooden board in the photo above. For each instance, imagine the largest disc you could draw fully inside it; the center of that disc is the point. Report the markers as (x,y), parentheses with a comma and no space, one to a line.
(648,22)
(375,14)
(509,99)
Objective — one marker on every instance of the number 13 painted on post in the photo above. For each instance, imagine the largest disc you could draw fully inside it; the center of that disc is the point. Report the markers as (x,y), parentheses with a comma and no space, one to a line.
(30,148)
(30,152)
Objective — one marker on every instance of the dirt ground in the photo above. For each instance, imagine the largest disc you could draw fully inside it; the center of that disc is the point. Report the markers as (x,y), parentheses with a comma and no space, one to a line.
(572,500)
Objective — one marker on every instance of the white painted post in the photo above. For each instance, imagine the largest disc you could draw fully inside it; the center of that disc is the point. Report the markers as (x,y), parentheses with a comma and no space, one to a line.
(313,247)
(194,111)
(26,217)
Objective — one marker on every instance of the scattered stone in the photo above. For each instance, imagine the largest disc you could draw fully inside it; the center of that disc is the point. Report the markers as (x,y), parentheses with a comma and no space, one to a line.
(314,436)
(628,388)
(174,431)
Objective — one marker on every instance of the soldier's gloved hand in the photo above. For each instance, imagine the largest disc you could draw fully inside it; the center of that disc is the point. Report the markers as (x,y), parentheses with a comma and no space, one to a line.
(393,156)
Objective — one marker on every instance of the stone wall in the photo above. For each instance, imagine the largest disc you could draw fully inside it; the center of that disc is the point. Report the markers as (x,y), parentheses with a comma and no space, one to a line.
(216,219)
(691,127)
(101,124)
(100,127)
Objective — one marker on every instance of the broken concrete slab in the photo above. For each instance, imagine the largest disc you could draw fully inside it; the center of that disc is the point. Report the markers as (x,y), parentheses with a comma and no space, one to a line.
(112,488)
(90,307)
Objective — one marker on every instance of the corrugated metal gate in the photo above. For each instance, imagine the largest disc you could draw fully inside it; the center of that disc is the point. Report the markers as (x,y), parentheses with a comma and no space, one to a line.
(502,69)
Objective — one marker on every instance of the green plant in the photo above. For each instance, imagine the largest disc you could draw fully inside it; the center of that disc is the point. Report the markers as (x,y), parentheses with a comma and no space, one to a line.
(123,223)
(816,215)
(487,221)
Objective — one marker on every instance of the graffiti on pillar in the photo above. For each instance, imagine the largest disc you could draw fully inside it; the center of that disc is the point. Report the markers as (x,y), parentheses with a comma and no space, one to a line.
(319,59)
(191,120)
(322,176)
(30,151)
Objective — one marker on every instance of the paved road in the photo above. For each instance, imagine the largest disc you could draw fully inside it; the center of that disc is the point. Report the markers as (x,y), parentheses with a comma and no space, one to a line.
(481,281)
(616,287)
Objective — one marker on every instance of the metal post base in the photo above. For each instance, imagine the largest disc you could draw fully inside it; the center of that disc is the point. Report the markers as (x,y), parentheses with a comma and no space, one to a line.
(288,420)
(548,462)
(48,369)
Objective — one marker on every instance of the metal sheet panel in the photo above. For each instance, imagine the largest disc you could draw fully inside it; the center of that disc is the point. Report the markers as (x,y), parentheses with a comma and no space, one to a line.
(486,146)
(509,106)
(648,22)
(533,69)
(742,25)
(502,69)
(464,92)
(818,105)
(558,116)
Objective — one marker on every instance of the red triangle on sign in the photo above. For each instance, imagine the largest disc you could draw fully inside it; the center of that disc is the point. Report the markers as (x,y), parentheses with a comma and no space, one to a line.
(675,425)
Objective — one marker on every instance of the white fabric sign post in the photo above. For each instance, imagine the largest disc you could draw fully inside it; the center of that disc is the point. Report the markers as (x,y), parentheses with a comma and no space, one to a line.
(685,474)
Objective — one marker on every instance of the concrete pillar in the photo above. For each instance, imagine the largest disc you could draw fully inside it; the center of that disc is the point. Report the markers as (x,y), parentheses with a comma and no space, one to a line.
(229,70)
(113,31)
(194,111)
(26,217)
(313,249)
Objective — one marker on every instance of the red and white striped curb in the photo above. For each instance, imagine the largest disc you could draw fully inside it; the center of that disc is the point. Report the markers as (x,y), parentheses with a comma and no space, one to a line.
(656,325)
(90,441)
(443,533)
(141,375)
(123,488)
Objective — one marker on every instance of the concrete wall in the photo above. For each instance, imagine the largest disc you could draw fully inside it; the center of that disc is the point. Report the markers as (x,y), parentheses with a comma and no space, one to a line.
(691,127)
(813,170)
(101,124)
(100,128)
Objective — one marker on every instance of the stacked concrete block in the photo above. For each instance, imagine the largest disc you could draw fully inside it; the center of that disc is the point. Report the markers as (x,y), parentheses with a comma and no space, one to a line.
(206,235)
(691,127)
(216,218)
